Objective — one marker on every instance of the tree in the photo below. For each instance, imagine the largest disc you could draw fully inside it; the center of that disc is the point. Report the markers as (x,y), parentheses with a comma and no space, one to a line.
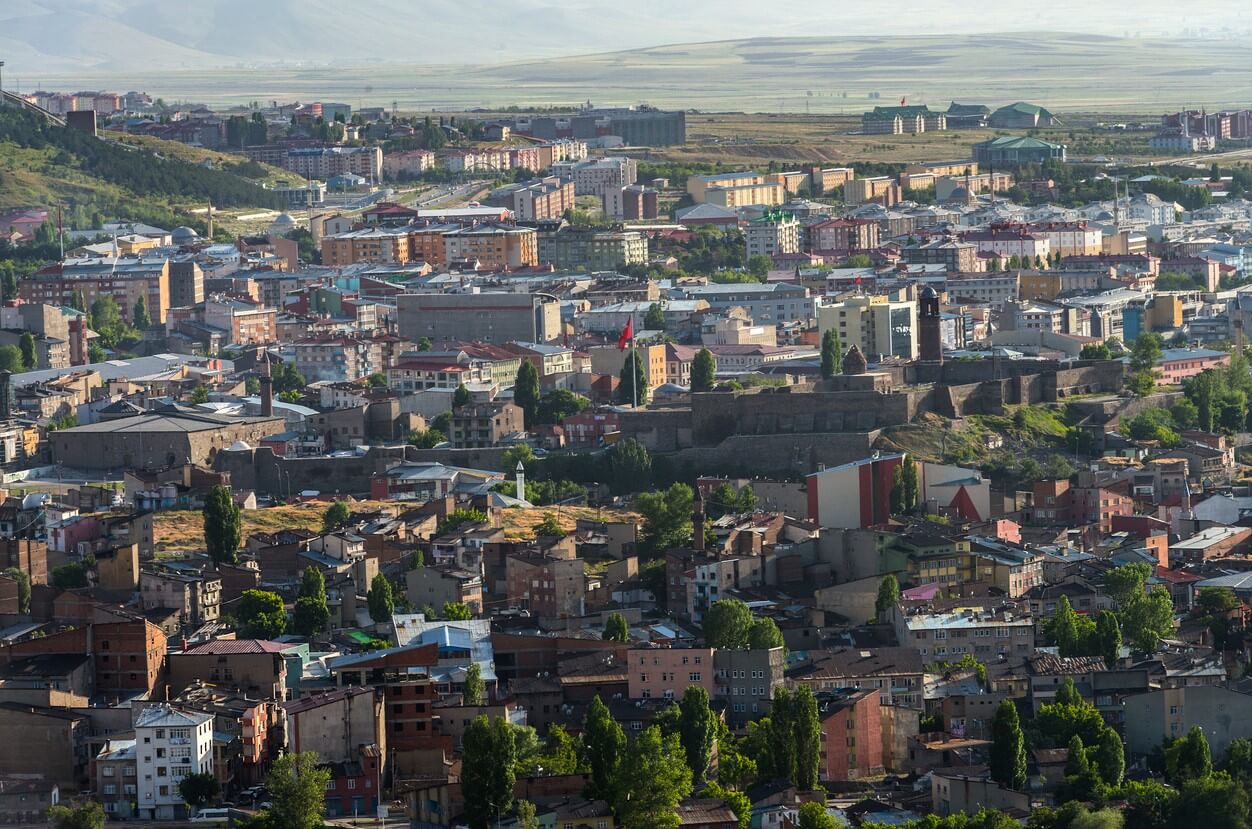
(832,355)
(737,801)
(1239,759)
(526,817)
(549,527)
(630,467)
(758,265)
(473,689)
(426,438)
(460,397)
(223,525)
(727,623)
(1215,601)
(140,316)
(764,634)
(487,775)
(73,575)
(335,516)
(1008,748)
(616,629)
(703,370)
(297,790)
(697,727)
(632,380)
(23,587)
(456,612)
(560,752)
(1213,801)
(912,487)
(106,320)
(261,614)
(200,394)
(526,391)
(310,616)
(381,602)
(807,735)
(1095,351)
(1076,762)
(10,359)
(90,815)
(1108,637)
(560,404)
(888,595)
(653,780)
(604,744)
(199,788)
(666,517)
(1109,756)
(654,320)
(1144,355)
(1188,758)
(26,345)
(813,815)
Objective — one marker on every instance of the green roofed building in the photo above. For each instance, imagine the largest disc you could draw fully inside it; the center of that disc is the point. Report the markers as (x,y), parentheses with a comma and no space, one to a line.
(1022,116)
(1012,150)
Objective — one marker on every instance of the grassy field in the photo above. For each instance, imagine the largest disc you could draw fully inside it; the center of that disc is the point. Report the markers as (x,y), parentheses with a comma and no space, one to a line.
(823,74)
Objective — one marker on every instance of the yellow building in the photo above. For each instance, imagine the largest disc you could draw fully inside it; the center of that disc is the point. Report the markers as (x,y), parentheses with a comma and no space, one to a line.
(877,325)
(944,168)
(739,189)
(883,189)
(1043,285)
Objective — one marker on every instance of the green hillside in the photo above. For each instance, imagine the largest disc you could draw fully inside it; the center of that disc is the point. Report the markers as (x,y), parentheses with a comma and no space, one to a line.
(42,165)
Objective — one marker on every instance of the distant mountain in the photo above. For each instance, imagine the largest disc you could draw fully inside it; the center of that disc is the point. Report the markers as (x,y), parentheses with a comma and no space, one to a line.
(59,36)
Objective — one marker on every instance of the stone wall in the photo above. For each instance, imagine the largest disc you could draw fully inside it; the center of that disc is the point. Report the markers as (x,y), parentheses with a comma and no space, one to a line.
(776,455)
(799,410)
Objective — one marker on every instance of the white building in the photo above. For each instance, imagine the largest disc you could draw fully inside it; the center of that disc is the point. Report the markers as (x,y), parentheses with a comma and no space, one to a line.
(170,744)
(772,235)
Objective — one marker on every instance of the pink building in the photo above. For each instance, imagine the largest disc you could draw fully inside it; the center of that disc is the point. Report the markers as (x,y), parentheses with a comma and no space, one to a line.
(851,735)
(1177,364)
(66,536)
(665,673)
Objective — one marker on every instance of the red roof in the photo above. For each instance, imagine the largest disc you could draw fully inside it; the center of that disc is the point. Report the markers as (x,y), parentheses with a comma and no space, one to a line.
(227,646)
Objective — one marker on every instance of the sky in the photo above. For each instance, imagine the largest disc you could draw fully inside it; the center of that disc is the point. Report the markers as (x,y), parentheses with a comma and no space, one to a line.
(58,36)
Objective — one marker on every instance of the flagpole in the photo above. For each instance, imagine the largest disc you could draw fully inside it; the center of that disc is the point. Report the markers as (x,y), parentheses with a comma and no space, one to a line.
(634,371)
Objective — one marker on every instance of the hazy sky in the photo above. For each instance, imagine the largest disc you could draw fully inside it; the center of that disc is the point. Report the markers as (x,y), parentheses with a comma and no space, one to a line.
(56,36)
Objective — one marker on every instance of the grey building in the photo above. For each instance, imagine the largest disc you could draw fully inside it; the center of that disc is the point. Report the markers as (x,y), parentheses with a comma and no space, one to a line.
(491,317)
(766,304)
(186,283)
(1224,715)
(747,680)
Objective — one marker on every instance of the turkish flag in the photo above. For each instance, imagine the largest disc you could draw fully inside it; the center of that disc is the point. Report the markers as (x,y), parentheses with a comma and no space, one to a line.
(902,102)
(627,333)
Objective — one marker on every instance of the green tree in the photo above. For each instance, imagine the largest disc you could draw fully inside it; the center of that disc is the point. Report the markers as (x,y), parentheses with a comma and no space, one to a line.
(526,391)
(261,614)
(697,729)
(223,525)
(381,602)
(560,404)
(70,576)
(310,616)
(526,815)
(727,624)
(912,487)
(1144,355)
(472,692)
(654,320)
(703,370)
(23,587)
(737,801)
(549,527)
(666,517)
(456,612)
(832,353)
(807,734)
(1188,758)
(377,380)
(888,595)
(106,320)
(335,516)
(632,380)
(460,397)
(630,467)
(653,780)
(1213,801)
(560,751)
(1108,635)
(1109,756)
(426,438)
(604,745)
(200,394)
(1008,748)
(813,815)
(1148,803)
(140,316)
(488,757)
(1215,601)
(759,265)
(764,634)
(90,815)
(199,788)
(1239,759)
(616,629)
(1095,351)
(297,789)
(26,345)
(10,359)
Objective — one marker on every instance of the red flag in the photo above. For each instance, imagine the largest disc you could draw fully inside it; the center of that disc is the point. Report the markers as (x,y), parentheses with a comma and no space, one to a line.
(901,100)
(857,280)
(627,333)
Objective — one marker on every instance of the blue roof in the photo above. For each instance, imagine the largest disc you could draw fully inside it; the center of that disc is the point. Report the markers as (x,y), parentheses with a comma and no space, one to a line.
(1168,355)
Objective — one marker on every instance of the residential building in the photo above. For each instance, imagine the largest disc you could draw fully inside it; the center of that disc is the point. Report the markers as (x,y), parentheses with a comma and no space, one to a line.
(665,673)
(954,255)
(879,326)
(244,321)
(774,234)
(494,246)
(339,357)
(488,317)
(897,673)
(437,586)
(731,190)
(766,304)
(169,745)
(126,279)
(984,633)
(747,680)
(548,360)
(851,735)
(247,665)
(852,495)
(538,199)
(884,190)
(591,249)
(843,234)
(335,723)
(485,424)
(196,599)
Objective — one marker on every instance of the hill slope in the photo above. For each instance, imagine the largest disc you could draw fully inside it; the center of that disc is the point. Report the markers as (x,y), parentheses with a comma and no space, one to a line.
(141,178)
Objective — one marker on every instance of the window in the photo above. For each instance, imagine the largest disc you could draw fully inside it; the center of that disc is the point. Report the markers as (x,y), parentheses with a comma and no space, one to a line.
(108,771)
(351,782)
(110,788)
(694,676)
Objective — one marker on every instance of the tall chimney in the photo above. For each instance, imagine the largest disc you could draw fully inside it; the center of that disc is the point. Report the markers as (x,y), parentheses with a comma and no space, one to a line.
(267,386)
(697,522)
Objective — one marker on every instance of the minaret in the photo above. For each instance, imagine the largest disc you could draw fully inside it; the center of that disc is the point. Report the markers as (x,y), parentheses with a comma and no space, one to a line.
(267,386)
(521,481)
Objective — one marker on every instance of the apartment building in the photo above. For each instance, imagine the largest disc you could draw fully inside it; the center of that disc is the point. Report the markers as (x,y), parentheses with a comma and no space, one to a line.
(843,234)
(245,322)
(339,357)
(483,425)
(984,633)
(877,325)
(955,256)
(747,680)
(322,162)
(1007,241)
(197,599)
(640,203)
(417,372)
(851,735)
(409,162)
(884,190)
(377,245)
(995,289)
(495,246)
(666,673)
(486,317)
(774,234)
(125,278)
(731,190)
(169,745)
(1070,238)
(594,250)
(766,304)
(540,199)
(548,360)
